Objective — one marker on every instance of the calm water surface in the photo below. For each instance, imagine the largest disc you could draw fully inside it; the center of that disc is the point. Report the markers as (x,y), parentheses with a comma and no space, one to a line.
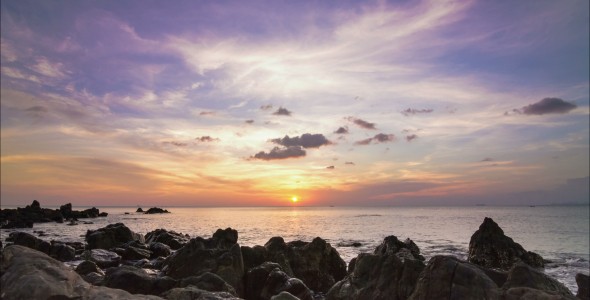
(558,233)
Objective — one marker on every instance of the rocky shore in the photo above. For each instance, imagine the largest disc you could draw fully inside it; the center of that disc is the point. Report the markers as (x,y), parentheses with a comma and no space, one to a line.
(117,263)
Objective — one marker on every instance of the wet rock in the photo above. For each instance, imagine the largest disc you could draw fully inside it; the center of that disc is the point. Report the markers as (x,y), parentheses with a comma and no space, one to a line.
(405,249)
(523,293)
(62,252)
(102,258)
(137,281)
(103,214)
(132,253)
(284,296)
(94,278)
(219,255)
(86,267)
(583,286)
(30,274)
(490,248)
(156,210)
(208,282)
(497,276)
(446,277)
(111,236)
(255,279)
(44,246)
(159,249)
(27,240)
(139,210)
(193,293)
(171,238)
(278,281)
(522,275)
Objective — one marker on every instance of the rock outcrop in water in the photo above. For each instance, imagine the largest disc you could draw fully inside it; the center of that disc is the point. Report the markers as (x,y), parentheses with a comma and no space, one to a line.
(26,217)
(490,248)
(156,210)
(111,236)
(583,286)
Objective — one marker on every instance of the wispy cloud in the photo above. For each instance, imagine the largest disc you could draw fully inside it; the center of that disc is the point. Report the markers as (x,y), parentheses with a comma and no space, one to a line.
(306,140)
(413,111)
(281,153)
(411,137)
(362,123)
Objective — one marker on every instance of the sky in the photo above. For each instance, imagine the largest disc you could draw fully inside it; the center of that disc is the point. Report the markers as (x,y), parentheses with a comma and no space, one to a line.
(253,103)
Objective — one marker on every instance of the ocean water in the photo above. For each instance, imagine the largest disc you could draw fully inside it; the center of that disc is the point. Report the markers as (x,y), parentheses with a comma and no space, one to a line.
(558,233)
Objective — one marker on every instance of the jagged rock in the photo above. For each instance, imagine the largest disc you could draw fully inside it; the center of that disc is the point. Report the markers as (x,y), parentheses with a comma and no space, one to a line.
(193,293)
(66,210)
(156,210)
(137,281)
(208,282)
(219,255)
(102,258)
(132,253)
(497,276)
(103,214)
(86,267)
(159,249)
(405,249)
(278,281)
(583,286)
(111,236)
(446,277)
(284,296)
(255,279)
(139,210)
(35,205)
(62,252)
(522,275)
(94,278)
(30,274)
(171,238)
(490,248)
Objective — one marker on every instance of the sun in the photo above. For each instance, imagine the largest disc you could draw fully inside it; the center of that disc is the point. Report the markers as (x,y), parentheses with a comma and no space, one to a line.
(294,199)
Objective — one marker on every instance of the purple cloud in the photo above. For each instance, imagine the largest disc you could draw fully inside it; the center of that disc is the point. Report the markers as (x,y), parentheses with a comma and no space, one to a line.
(362,123)
(282,112)
(306,140)
(411,137)
(249,121)
(342,130)
(413,111)
(549,106)
(177,144)
(206,139)
(281,153)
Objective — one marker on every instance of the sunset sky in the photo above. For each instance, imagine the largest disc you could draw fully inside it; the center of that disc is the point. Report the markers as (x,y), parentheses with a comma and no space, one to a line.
(216,103)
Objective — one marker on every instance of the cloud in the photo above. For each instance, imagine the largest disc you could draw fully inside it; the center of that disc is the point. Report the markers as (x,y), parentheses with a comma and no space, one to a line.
(341,138)
(206,139)
(37,109)
(266,107)
(330,167)
(306,140)
(204,113)
(549,106)
(487,159)
(349,163)
(271,123)
(384,138)
(177,144)
(278,153)
(363,142)
(335,159)
(411,137)
(282,112)
(342,130)
(450,109)
(241,104)
(362,123)
(411,130)
(249,121)
(413,111)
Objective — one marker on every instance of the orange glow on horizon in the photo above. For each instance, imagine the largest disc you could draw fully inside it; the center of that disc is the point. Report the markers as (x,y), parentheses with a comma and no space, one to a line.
(294,199)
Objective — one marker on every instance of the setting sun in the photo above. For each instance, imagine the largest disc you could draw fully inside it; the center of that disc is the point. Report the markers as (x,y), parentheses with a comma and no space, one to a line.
(294,199)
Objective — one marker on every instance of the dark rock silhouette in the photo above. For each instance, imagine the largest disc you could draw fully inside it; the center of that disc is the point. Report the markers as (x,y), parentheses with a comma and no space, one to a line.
(62,252)
(583,286)
(522,275)
(133,253)
(171,238)
(208,282)
(193,293)
(490,248)
(102,258)
(137,281)
(156,210)
(278,281)
(255,278)
(111,236)
(26,217)
(159,249)
(86,267)
(139,210)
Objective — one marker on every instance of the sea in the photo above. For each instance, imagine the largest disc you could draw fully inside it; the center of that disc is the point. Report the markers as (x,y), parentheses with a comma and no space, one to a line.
(558,233)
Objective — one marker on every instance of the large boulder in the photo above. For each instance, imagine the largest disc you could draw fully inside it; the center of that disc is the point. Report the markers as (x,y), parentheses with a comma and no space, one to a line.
(219,255)
(137,281)
(62,252)
(583,286)
(284,296)
(86,267)
(111,236)
(159,249)
(523,293)
(102,258)
(208,282)
(27,240)
(30,274)
(133,253)
(490,248)
(446,277)
(171,238)
(255,279)
(278,281)
(156,210)
(390,273)
(522,275)
(194,293)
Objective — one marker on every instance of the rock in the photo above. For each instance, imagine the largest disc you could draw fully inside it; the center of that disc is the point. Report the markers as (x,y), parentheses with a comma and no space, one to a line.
(102,258)
(490,248)
(522,275)
(523,293)
(35,205)
(44,246)
(159,249)
(30,274)
(111,236)
(208,282)
(255,279)
(497,276)
(583,286)
(156,210)
(216,255)
(86,267)
(103,214)
(91,212)
(405,249)
(284,296)
(62,252)
(446,277)
(137,281)
(94,278)
(278,281)
(174,240)
(66,210)
(193,293)
(26,240)
(132,253)
(139,210)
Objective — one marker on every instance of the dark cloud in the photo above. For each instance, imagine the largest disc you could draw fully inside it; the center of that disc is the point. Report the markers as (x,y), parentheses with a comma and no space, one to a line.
(411,130)
(282,112)
(349,163)
(487,159)
(271,123)
(379,138)
(249,121)
(306,140)
(266,107)
(411,137)
(413,111)
(204,113)
(549,106)
(362,123)
(278,153)
(37,109)
(177,144)
(330,167)
(363,142)
(206,139)
(342,130)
